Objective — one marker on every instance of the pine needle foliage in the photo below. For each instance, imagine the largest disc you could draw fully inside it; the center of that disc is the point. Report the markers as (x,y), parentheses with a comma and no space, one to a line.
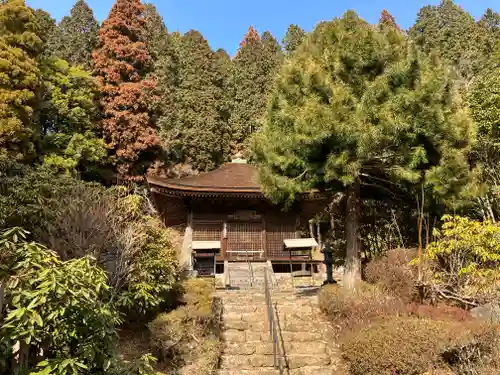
(357,107)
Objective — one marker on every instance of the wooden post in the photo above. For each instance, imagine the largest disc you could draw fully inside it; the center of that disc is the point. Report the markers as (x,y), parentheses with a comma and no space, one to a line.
(186,258)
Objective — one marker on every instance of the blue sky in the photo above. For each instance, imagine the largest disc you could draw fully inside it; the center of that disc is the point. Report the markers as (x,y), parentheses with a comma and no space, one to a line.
(223,22)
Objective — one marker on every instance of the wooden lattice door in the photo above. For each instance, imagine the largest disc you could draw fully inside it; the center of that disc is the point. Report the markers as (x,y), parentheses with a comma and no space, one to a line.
(244,240)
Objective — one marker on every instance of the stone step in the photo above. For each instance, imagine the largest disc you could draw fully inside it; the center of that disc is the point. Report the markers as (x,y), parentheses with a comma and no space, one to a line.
(235,361)
(293,348)
(251,371)
(295,361)
(314,370)
(308,370)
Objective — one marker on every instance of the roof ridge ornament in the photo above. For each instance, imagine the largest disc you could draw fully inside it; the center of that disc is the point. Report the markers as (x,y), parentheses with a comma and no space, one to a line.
(238,158)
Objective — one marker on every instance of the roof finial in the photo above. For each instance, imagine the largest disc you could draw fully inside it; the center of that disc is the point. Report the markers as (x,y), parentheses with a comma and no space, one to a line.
(238,158)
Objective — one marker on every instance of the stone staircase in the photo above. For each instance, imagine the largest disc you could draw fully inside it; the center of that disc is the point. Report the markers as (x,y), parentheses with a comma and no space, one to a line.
(307,338)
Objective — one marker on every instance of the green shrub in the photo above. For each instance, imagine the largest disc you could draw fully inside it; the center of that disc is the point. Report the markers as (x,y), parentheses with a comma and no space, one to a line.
(465,261)
(187,337)
(393,273)
(60,307)
(414,346)
(350,308)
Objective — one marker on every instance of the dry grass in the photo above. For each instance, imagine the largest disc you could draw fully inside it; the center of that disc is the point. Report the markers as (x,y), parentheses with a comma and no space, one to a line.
(394,274)
(349,309)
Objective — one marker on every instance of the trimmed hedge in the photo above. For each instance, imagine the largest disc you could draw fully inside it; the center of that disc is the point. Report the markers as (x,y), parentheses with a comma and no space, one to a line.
(414,346)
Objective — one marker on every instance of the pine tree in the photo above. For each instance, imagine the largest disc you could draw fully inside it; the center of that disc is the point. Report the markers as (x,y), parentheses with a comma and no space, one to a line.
(121,64)
(454,33)
(254,67)
(19,49)
(193,130)
(359,111)
(78,35)
(293,38)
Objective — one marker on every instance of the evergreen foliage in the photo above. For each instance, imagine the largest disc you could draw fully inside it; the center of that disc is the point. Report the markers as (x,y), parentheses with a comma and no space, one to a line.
(48,32)
(254,68)
(121,64)
(453,32)
(368,111)
(155,33)
(193,128)
(68,115)
(78,36)
(293,38)
(49,309)
(19,48)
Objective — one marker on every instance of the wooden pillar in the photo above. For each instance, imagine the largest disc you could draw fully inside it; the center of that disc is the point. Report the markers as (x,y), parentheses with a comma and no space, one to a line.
(224,241)
(186,258)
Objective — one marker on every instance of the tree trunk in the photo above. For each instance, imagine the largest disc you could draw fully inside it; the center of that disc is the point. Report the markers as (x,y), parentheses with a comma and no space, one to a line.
(352,273)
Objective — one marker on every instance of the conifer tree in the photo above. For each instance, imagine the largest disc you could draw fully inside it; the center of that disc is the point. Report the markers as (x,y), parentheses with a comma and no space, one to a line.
(387,19)
(293,38)
(192,128)
(48,32)
(155,33)
(490,25)
(121,64)
(454,33)
(78,35)
(359,111)
(254,67)
(19,49)
(223,66)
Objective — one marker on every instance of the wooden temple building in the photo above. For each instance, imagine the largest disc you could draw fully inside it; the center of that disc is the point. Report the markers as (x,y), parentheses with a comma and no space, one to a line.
(225,217)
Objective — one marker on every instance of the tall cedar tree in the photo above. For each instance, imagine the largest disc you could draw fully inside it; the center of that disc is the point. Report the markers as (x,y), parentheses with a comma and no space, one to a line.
(490,24)
(254,67)
(19,49)
(48,32)
(193,130)
(358,108)
(453,32)
(155,33)
(293,38)
(78,35)
(484,103)
(121,64)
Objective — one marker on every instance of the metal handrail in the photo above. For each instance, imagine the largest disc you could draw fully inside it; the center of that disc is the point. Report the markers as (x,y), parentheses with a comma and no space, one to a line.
(250,269)
(274,328)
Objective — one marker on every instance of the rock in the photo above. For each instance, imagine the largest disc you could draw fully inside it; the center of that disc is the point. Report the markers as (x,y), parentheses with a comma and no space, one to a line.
(489,313)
